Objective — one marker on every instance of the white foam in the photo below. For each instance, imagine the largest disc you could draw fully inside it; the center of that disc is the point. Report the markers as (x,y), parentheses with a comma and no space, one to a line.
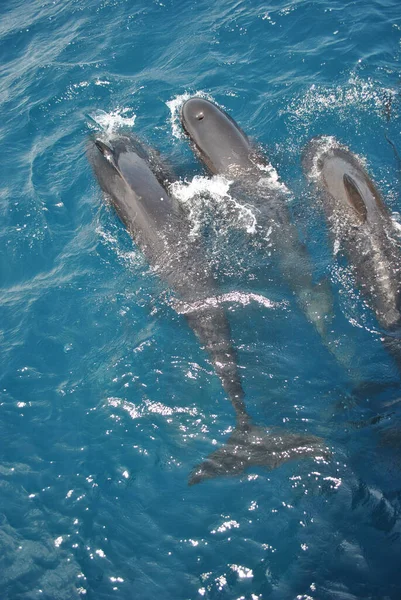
(271,179)
(186,190)
(175,107)
(112,121)
(203,192)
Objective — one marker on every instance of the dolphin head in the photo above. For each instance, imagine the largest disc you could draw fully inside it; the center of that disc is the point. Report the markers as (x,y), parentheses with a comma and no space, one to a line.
(222,146)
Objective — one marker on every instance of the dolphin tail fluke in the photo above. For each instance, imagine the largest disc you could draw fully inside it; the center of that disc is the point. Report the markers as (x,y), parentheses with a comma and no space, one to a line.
(250,445)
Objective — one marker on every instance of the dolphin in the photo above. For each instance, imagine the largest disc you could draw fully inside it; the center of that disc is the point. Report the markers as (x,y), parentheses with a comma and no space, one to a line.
(131,178)
(225,149)
(362,227)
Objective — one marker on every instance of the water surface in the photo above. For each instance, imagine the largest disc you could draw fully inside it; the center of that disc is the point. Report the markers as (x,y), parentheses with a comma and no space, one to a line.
(107,399)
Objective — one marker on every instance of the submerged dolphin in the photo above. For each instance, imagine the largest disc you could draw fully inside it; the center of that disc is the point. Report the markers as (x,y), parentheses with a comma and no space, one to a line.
(129,176)
(363,227)
(225,149)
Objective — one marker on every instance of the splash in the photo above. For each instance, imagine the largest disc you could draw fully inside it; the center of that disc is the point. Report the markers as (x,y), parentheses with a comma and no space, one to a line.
(202,193)
(271,179)
(112,121)
(174,106)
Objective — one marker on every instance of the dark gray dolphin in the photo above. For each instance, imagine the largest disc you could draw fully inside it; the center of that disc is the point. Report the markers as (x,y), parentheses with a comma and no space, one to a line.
(225,149)
(129,176)
(362,226)
(221,144)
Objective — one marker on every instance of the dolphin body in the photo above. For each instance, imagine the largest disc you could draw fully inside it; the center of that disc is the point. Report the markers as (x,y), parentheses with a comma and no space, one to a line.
(363,227)
(132,179)
(225,149)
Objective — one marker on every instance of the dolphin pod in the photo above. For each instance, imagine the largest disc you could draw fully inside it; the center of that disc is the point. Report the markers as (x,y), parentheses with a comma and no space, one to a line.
(130,177)
(134,180)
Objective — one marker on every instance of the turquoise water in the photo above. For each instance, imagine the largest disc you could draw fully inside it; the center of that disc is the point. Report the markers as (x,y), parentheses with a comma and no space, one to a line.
(107,399)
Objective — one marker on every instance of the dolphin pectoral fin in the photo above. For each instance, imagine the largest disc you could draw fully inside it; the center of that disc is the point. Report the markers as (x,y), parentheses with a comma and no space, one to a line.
(250,445)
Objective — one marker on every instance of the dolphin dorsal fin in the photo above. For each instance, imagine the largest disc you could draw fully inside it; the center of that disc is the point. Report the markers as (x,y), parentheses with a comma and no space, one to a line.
(355,197)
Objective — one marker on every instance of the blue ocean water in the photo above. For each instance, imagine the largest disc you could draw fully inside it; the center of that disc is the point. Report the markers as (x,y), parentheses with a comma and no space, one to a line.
(107,398)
